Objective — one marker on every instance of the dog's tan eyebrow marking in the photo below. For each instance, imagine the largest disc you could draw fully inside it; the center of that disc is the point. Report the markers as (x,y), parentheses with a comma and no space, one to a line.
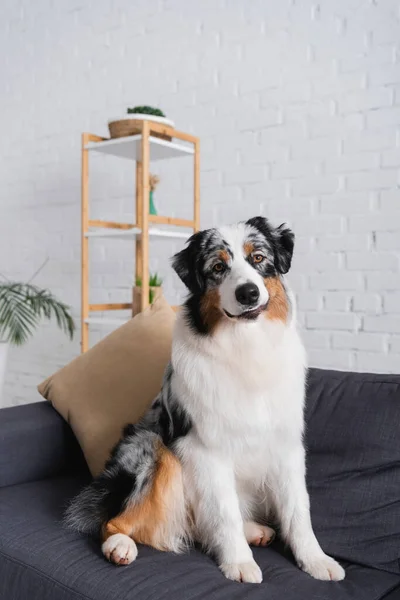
(224,255)
(248,248)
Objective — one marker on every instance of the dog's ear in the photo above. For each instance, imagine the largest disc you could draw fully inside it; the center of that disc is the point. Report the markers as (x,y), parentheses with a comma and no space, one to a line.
(263,226)
(281,239)
(284,248)
(187,264)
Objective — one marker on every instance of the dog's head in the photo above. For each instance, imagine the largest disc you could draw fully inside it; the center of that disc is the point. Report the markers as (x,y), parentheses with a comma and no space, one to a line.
(235,271)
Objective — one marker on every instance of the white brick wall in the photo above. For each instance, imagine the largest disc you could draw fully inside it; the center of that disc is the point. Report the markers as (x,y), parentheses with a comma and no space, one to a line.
(298,108)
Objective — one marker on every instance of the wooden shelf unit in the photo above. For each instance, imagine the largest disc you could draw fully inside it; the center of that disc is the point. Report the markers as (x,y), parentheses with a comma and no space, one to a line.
(140,148)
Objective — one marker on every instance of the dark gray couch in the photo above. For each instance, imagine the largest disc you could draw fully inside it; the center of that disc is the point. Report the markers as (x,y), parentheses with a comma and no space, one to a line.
(353,440)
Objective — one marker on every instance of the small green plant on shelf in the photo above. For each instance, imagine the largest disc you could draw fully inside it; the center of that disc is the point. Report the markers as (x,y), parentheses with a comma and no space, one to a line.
(146,110)
(23,305)
(155,281)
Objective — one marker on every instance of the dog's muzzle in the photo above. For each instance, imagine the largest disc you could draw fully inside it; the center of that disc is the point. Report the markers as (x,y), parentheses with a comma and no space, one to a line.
(247,294)
(249,314)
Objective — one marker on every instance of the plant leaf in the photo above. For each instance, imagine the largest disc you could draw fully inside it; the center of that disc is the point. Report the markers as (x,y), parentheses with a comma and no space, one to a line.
(17,321)
(22,305)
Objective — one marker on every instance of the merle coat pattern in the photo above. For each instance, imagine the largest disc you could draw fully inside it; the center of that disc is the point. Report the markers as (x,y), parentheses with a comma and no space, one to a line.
(220,450)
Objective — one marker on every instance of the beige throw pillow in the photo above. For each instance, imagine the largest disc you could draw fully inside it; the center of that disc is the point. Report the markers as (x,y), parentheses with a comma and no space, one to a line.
(114,382)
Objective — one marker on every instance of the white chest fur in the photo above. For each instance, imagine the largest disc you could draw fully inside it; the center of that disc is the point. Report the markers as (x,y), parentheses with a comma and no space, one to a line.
(243,388)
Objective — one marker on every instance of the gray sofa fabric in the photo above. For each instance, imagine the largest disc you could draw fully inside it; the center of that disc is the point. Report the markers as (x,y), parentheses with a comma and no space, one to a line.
(41,561)
(35,442)
(353,471)
(353,441)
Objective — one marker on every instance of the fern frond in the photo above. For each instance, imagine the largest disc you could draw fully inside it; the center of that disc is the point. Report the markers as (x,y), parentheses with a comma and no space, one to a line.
(23,305)
(17,321)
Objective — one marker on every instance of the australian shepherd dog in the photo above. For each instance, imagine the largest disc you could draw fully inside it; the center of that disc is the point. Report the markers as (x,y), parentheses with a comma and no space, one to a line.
(220,452)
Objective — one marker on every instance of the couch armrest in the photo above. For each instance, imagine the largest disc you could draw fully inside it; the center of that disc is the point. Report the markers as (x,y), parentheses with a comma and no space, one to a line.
(35,443)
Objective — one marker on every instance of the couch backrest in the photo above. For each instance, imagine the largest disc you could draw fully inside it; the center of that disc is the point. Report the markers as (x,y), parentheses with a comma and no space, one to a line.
(353,465)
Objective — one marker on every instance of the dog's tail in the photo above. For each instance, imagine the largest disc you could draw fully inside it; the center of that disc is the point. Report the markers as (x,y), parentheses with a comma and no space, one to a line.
(127,475)
(88,511)
(140,493)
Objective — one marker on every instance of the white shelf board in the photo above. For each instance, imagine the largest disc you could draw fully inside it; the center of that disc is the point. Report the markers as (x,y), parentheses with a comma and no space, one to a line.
(106,321)
(130,147)
(131,234)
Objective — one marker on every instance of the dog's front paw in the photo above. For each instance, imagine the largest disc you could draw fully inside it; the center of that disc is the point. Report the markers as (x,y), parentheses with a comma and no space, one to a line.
(323,567)
(248,572)
(119,549)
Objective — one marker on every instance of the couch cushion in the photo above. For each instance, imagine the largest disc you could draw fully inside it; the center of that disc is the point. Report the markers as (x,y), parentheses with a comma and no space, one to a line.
(35,442)
(39,559)
(113,383)
(353,441)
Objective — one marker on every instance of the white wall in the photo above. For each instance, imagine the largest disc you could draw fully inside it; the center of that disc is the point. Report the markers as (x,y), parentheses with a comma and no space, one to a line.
(298,108)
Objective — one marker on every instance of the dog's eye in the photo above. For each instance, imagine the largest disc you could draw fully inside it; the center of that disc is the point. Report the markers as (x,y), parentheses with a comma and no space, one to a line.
(219,267)
(257,258)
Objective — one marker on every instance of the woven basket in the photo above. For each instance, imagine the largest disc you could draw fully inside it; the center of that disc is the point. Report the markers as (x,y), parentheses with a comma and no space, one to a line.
(125,127)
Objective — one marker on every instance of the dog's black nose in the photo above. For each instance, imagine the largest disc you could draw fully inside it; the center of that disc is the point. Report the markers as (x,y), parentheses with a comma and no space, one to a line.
(247,294)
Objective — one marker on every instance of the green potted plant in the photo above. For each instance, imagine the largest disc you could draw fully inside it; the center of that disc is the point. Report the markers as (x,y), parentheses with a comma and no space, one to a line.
(129,125)
(22,307)
(145,110)
(155,283)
